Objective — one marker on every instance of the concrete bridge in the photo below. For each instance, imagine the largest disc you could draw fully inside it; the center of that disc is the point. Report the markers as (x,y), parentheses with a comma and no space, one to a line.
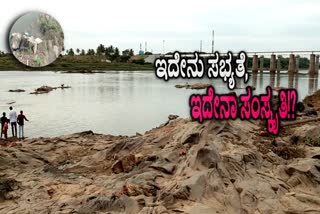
(275,63)
(294,58)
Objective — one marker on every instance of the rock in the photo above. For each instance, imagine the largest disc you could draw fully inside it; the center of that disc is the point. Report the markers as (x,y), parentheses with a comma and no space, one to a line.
(17,90)
(294,181)
(195,86)
(199,86)
(191,138)
(84,133)
(117,167)
(312,136)
(167,168)
(125,164)
(309,168)
(6,186)
(180,86)
(103,204)
(172,117)
(128,162)
(311,112)
(46,89)
(300,107)
(15,41)
(313,100)
(207,158)
(154,210)
(194,187)
(308,198)
(142,184)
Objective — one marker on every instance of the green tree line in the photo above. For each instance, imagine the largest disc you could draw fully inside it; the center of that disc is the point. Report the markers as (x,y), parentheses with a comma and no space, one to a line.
(104,52)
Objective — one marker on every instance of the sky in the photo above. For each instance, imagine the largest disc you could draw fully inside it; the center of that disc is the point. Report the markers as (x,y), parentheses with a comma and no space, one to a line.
(238,25)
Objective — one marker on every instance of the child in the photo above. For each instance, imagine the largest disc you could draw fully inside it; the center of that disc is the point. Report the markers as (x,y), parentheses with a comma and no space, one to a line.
(5,129)
(4,122)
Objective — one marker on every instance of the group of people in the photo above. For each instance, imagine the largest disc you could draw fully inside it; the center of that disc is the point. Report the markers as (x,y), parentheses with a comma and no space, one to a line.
(13,119)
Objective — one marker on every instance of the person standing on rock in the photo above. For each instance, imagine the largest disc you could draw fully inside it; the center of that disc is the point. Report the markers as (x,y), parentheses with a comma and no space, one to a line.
(13,121)
(21,119)
(4,122)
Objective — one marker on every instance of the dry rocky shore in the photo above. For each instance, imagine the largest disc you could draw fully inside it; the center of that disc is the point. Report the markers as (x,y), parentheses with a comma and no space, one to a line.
(180,167)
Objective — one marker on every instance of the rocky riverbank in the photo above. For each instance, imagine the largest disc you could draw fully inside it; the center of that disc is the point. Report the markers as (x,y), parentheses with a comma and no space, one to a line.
(180,167)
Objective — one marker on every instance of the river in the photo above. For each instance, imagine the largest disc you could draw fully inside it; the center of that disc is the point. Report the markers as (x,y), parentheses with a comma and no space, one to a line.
(119,103)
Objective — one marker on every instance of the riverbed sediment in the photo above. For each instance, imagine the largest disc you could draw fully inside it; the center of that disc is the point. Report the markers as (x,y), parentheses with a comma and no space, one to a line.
(179,167)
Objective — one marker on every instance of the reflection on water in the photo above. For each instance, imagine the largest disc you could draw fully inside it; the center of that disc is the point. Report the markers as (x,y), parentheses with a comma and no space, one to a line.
(118,102)
(313,82)
(272,79)
(300,81)
(278,78)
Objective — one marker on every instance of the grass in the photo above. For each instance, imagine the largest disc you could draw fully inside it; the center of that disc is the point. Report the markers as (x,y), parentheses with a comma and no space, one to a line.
(73,63)
(49,24)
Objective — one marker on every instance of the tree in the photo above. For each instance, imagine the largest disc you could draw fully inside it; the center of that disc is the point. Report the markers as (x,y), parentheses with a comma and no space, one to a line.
(109,51)
(90,52)
(131,53)
(71,52)
(139,61)
(125,52)
(82,52)
(116,55)
(124,58)
(116,52)
(100,50)
(78,51)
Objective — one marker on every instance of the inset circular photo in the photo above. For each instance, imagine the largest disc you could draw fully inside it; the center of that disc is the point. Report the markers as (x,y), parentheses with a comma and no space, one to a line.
(36,39)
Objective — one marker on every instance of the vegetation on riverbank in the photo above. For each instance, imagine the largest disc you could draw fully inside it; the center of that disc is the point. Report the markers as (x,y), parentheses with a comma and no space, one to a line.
(107,59)
(73,63)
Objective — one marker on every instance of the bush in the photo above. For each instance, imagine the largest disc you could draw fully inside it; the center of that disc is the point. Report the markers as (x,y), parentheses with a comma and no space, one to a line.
(139,61)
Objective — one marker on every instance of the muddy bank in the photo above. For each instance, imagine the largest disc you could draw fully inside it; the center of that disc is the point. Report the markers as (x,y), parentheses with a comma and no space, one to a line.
(179,167)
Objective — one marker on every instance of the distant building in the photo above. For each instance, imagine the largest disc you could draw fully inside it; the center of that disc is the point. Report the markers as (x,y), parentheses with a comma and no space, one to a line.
(141,52)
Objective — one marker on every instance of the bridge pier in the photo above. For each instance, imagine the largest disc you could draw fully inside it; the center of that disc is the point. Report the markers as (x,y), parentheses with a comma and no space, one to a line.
(255,63)
(297,63)
(278,78)
(273,63)
(312,64)
(261,63)
(317,64)
(279,63)
(272,79)
(292,64)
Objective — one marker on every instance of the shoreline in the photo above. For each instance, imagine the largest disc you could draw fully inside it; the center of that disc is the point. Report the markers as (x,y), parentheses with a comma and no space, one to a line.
(23,91)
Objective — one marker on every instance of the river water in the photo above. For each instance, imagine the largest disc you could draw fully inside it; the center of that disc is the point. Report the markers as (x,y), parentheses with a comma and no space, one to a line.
(115,102)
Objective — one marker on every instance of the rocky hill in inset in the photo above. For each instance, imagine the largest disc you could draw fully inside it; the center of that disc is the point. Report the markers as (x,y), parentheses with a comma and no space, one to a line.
(39,43)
